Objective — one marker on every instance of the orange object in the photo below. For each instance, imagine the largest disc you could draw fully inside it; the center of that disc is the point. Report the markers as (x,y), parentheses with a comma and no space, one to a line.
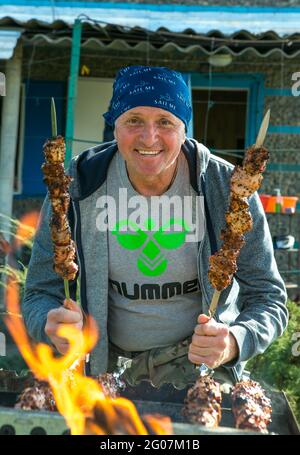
(269,202)
(264,200)
(289,204)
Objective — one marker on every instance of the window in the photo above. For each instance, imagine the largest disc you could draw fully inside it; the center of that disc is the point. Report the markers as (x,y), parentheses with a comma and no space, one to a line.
(219,120)
(227,111)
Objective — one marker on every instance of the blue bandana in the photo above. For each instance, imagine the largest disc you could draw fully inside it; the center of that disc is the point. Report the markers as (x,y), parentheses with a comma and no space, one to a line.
(149,86)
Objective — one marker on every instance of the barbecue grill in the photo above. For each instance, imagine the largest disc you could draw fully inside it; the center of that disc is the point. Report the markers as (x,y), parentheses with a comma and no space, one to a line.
(148,400)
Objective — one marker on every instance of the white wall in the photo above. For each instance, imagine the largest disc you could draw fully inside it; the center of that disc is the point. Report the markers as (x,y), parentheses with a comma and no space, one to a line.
(93,97)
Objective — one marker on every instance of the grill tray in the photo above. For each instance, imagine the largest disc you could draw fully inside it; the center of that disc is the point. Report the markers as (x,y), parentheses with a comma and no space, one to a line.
(166,401)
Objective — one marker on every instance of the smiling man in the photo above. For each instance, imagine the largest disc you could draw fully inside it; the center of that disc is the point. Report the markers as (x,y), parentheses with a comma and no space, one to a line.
(150,141)
(142,278)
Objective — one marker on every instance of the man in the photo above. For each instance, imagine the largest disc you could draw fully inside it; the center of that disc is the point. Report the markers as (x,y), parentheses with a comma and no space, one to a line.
(143,274)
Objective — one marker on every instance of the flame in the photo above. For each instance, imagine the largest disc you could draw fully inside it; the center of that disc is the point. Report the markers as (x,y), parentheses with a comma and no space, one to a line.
(26,228)
(79,399)
(158,423)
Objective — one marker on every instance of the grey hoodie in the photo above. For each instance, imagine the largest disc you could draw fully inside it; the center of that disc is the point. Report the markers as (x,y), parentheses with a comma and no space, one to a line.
(253,306)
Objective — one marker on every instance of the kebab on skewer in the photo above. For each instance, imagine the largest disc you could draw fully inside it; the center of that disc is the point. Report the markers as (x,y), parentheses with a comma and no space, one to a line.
(111,387)
(245,180)
(37,397)
(250,406)
(58,185)
(203,402)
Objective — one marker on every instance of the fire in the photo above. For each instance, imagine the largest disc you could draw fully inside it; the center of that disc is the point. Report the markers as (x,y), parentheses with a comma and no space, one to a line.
(79,399)
(25,228)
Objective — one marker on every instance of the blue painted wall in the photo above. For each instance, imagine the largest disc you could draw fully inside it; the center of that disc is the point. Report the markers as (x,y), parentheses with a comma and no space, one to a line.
(38,129)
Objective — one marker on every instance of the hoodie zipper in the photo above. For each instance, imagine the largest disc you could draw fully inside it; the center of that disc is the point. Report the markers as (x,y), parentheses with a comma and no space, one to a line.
(77,246)
(200,275)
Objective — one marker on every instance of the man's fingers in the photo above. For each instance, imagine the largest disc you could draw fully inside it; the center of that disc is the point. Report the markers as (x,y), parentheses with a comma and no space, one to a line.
(198,360)
(57,318)
(203,318)
(62,315)
(61,345)
(208,329)
(52,328)
(205,352)
(211,328)
(201,340)
(71,305)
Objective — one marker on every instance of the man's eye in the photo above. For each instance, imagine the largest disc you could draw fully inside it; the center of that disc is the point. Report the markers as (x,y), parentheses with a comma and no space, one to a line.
(165,122)
(133,121)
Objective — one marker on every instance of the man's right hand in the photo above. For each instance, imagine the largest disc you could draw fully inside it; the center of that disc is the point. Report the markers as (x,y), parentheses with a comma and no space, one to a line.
(71,315)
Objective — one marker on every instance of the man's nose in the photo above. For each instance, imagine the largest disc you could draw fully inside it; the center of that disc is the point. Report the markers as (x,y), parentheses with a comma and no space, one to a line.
(149,134)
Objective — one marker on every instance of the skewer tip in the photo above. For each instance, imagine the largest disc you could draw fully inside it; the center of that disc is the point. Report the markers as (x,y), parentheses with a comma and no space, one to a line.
(53,118)
(263,130)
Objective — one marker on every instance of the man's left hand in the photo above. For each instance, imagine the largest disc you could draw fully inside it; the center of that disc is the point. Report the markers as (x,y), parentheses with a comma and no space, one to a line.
(212,343)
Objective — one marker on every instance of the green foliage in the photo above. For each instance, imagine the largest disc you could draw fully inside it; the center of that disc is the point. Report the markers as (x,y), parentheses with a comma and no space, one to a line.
(278,366)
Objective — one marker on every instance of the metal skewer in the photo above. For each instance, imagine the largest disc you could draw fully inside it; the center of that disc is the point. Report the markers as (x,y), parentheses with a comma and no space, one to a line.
(123,363)
(203,369)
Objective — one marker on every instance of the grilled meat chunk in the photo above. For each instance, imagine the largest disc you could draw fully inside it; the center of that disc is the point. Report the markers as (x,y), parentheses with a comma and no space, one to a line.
(251,408)
(203,402)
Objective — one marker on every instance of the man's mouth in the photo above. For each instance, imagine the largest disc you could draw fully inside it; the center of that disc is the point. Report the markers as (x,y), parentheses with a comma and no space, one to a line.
(148,152)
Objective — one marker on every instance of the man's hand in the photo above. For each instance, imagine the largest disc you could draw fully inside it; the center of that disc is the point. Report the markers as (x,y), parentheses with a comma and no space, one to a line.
(212,343)
(72,315)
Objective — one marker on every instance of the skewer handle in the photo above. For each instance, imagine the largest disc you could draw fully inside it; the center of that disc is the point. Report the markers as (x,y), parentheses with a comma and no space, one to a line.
(203,369)
(214,303)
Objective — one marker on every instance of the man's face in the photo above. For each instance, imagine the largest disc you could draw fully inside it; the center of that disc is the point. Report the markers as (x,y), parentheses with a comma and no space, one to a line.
(149,139)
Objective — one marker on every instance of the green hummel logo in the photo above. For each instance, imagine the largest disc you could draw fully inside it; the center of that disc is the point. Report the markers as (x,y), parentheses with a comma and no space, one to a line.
(151,260)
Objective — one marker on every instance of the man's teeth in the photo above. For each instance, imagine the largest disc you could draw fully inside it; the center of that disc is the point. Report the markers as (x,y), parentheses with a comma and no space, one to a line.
(149,152)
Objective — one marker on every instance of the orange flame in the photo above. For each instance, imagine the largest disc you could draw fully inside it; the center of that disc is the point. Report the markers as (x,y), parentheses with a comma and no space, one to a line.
(79,399)
(26,228)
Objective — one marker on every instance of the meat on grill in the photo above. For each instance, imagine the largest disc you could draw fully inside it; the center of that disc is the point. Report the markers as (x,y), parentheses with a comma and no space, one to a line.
(251,408)
(202,404)
(110,386)
(37,397)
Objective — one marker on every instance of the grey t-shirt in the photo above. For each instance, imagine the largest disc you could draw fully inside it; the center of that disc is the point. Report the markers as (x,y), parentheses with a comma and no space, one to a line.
(154,295)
